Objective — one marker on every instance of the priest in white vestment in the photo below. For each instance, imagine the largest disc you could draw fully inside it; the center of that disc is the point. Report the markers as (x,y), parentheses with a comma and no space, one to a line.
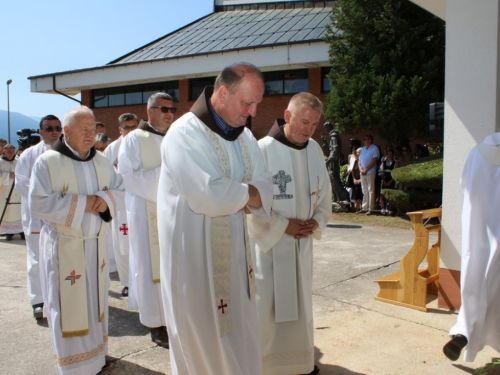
(11,222)
(50,131)
(302,206)
(212,172)
(139,162)
(76,192)
(120,231)
(478,320)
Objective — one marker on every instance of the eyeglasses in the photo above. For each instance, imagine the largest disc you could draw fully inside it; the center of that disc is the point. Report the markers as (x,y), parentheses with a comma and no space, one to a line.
(126,127)
(52,128)
(165,109)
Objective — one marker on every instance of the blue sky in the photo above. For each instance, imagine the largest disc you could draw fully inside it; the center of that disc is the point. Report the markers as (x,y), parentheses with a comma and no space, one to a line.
(39,37)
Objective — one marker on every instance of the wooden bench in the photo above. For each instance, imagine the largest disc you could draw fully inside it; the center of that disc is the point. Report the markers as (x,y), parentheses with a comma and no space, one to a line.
(409,286)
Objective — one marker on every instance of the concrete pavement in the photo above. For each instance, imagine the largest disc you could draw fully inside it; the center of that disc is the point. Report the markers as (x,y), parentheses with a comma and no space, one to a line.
(354,333)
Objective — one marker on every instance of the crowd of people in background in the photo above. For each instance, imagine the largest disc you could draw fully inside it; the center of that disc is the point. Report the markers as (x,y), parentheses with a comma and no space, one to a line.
(378,168)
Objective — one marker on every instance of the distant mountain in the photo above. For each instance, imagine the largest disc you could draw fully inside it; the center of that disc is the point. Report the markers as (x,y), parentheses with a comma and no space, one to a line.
(18,121)
(37,119)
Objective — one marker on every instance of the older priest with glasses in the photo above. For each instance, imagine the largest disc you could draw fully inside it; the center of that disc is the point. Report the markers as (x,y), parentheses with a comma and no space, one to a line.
(75,191)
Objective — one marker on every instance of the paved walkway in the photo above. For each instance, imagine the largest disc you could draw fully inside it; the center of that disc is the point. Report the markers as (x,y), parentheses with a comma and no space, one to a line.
(354,333)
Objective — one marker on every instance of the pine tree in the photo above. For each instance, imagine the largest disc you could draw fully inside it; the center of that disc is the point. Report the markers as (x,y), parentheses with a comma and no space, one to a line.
(387,61)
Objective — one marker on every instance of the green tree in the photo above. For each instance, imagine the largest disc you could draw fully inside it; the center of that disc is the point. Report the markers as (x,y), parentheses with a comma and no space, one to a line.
(387,60)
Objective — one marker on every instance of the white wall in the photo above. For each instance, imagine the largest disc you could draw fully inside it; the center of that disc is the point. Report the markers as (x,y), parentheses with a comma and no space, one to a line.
(295,56)
(472,103)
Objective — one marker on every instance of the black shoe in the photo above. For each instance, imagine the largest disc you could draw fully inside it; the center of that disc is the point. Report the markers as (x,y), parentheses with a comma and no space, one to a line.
(454,347)
(22,236)
(8,237)
(159,336)
(38,311)
(315,371)
(125,291)
(106,366)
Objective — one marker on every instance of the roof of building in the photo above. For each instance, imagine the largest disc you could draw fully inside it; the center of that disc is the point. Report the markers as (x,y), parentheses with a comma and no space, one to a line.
(240,27)
(273,36)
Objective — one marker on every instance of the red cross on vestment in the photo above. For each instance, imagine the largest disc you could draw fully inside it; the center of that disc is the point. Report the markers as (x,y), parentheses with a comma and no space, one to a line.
(222,305)
(72,277)
(103,264)
(124,228)
(250,272)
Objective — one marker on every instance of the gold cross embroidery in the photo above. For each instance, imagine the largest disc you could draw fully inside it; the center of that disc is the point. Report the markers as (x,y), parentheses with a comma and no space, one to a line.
(316,193)
(64,190)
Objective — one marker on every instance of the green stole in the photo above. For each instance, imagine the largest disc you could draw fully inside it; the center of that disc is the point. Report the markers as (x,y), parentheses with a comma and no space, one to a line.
(71,249)
(151,159)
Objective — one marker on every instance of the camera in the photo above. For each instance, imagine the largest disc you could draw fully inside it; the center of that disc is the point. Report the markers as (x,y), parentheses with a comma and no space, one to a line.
(27,138)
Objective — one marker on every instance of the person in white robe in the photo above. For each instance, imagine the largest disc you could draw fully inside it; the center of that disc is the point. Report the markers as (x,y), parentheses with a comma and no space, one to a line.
(119,233)
(10,205)
(76,192)
(477,322)
(302,206)
(212,172)
(50,131)
(139,162)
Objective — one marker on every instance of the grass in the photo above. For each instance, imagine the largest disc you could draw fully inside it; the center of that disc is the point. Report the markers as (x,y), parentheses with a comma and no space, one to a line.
(378,220)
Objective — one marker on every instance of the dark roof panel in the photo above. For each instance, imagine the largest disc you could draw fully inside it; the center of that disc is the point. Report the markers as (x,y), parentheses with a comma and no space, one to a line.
(225,30)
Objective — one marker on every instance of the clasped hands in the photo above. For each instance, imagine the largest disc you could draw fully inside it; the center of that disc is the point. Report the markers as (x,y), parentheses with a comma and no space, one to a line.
(95,204)
(296,228)
(301,229)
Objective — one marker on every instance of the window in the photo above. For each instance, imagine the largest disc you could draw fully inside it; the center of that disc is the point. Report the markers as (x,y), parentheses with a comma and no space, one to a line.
(130,95)
(116,97)
(197,85)
(326,85)
(100,98)
(286,82)
(133,97)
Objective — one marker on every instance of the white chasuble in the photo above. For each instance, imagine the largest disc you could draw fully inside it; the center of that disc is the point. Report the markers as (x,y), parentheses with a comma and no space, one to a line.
(193,190)
(11,222)
(480,276)
(220,234)
(31,224)
(136,166)
(118,235)
(58,207)
(73,294)
(301,190)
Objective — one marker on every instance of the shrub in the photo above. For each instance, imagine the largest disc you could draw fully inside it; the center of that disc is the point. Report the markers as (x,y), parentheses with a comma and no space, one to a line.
(407,201)
(425,173)
(423,182)
(343,175)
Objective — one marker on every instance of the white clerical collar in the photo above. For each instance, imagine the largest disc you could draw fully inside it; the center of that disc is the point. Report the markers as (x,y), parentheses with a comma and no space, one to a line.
(76,153)
(490,149)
